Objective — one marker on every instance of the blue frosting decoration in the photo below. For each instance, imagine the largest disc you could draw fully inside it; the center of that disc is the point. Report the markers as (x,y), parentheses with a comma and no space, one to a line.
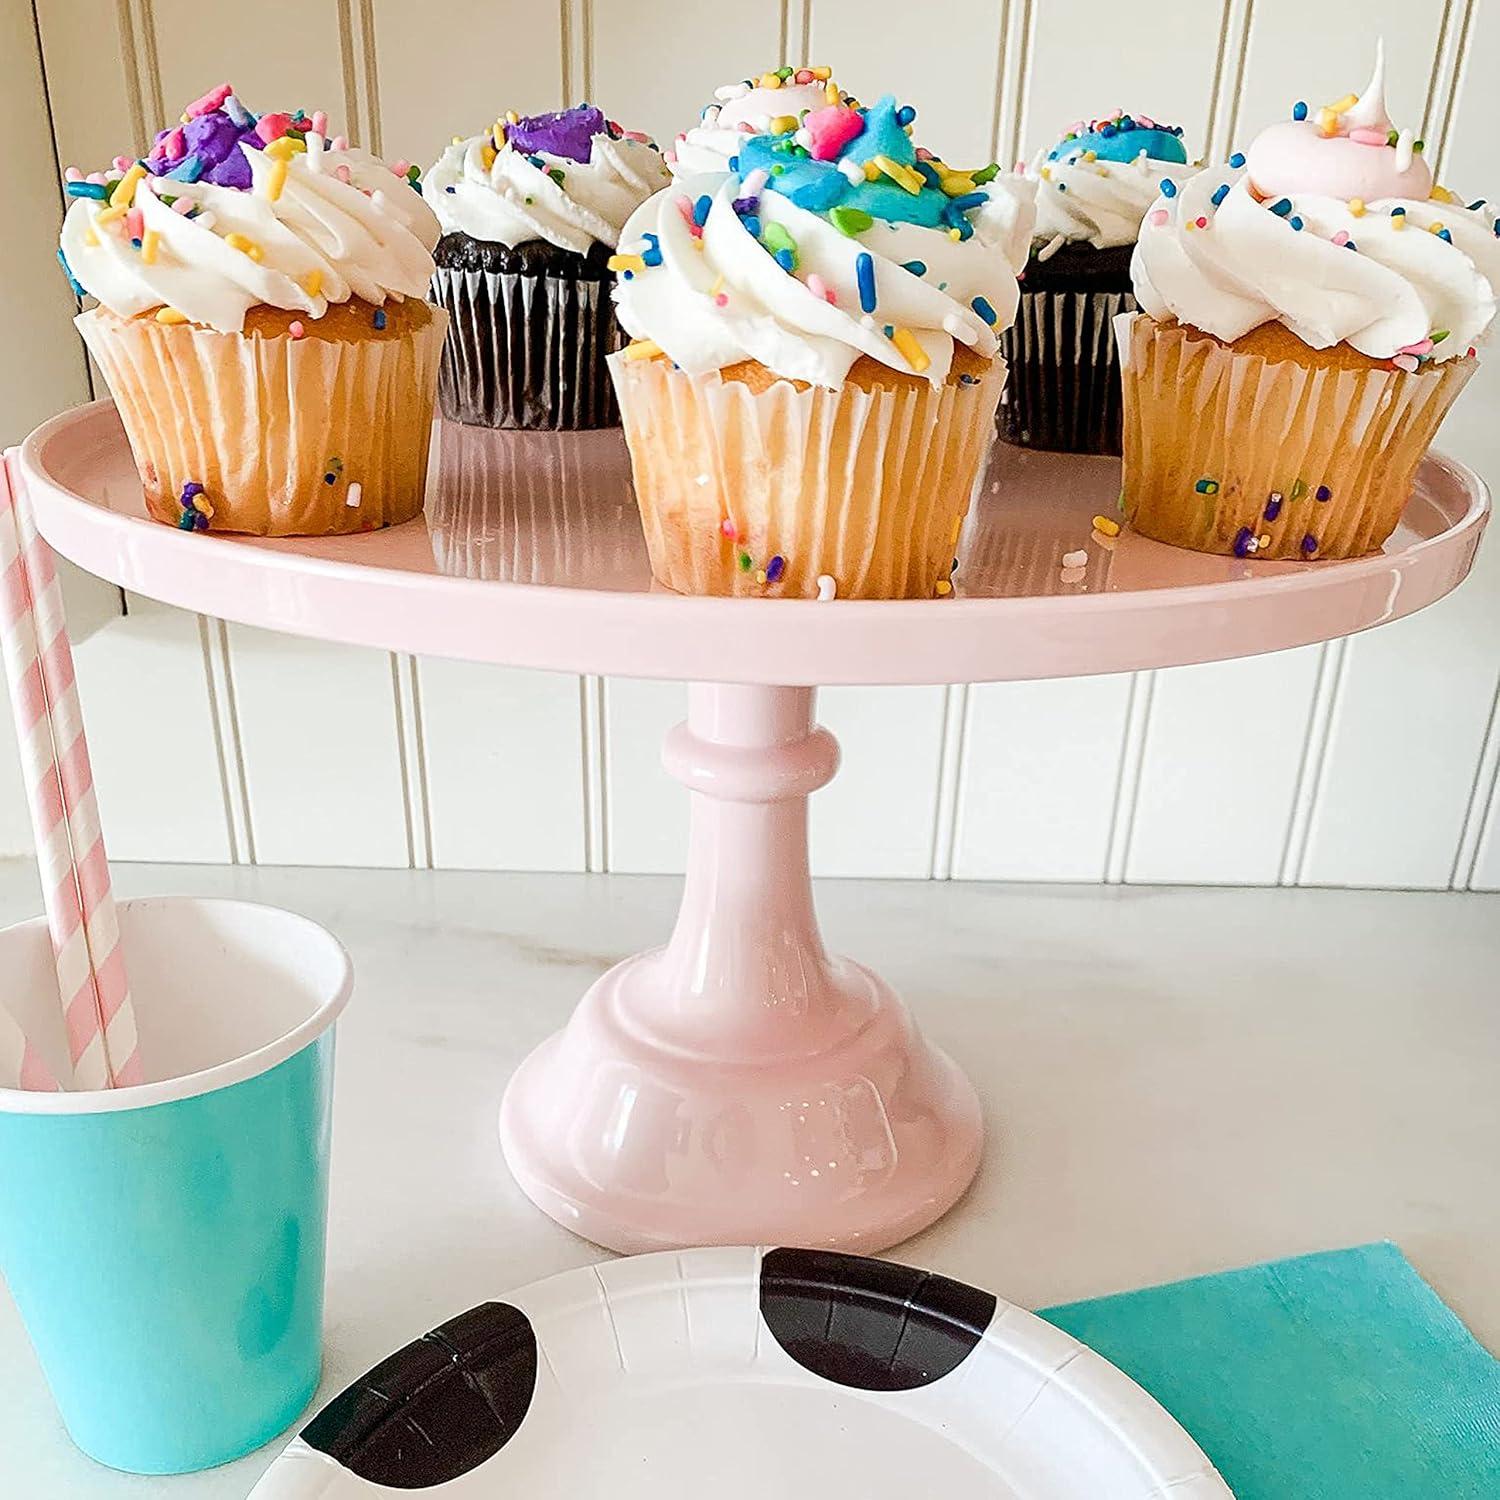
(883,134)
(820,186)
(1123,139)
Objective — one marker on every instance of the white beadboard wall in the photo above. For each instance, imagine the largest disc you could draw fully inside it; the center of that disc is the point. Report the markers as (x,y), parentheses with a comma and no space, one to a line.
(1371,761)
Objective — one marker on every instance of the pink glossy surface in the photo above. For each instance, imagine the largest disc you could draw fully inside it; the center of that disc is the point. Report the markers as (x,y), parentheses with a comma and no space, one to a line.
(530,554)
(740,1083)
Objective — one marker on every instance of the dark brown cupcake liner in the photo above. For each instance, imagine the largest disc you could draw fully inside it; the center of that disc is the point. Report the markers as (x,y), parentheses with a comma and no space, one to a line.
(1064,388)
(526,350)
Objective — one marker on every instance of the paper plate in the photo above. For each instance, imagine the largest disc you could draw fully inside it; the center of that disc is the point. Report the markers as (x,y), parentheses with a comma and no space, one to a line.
(742,1374)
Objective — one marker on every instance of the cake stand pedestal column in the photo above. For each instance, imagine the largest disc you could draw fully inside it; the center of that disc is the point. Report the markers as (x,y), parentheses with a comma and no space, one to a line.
(740,1085)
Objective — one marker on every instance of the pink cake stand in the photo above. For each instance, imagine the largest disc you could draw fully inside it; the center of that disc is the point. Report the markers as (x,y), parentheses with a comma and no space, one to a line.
(739,1085)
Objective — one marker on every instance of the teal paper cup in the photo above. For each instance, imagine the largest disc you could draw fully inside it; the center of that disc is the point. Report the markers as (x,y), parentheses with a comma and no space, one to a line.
(165,1244)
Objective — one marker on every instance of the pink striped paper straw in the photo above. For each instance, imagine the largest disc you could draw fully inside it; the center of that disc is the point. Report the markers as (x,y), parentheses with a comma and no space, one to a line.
(23,672)
(21,1065)
(100,922)
(81,913)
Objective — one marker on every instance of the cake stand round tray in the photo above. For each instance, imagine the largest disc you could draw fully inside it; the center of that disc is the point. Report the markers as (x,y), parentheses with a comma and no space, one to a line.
(739,1085)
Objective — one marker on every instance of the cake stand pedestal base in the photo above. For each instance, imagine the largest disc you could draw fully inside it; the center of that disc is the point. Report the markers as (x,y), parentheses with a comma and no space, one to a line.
(741,1086)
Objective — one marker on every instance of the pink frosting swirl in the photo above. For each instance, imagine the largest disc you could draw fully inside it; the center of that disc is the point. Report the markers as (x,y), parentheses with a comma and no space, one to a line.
(1347,149)
(1295,157)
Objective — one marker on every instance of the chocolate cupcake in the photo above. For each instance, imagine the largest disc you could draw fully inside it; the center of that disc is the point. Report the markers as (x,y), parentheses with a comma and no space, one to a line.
(1093,190)
(531,211)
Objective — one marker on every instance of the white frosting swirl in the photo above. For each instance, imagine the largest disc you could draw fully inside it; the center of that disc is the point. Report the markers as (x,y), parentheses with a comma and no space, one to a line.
(1100,202)
(512,200)
(741,110)
(777,318)
(1251,266)
(369,237)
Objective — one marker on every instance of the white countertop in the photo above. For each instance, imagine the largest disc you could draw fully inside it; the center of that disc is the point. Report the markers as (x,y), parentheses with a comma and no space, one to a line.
(1176,1081)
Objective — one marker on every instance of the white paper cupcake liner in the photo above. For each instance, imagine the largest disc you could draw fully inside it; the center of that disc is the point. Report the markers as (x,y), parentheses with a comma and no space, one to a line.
(1230,452)
(754,493)
(277,431)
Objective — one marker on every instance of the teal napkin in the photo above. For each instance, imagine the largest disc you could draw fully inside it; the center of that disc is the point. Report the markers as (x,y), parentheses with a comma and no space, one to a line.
(1340,1376)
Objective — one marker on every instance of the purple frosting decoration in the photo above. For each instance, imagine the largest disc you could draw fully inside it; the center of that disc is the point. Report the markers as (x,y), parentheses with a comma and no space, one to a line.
(568,133)
(214,139)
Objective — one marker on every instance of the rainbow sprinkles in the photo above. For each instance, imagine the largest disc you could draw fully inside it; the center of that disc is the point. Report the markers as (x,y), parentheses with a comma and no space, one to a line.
(857,169)
(1344,175)
(829,266)
(1308,313)
(218,144)
(861,162)
(250,271)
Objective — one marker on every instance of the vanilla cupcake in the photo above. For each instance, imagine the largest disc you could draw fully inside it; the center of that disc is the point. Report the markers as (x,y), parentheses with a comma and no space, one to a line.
(813,386)
(1309,313)
(262,322)
(1093,189)
(753,106)
(531,211)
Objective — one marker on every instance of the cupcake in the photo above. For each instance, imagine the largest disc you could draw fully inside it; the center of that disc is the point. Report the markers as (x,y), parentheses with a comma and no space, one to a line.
(1308,315)
(750,107)
(262,321)
(1093,190)
(531,212)
(813,384)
